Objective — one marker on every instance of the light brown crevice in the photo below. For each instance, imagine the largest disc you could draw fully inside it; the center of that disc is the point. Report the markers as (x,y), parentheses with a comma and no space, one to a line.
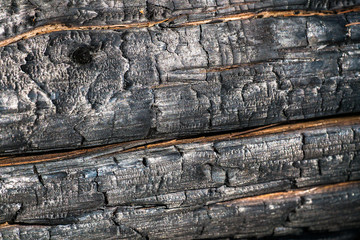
(6,225)
(58,27)
(294,193)
(66,154)
(352,24)
(271,14)
(226,68)
(286,128)
(235,66)
(260,131)
(229,67)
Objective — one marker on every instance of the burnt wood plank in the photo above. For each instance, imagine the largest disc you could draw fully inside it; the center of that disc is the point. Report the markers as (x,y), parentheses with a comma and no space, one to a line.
(207,67)
(328,208)
(167,177)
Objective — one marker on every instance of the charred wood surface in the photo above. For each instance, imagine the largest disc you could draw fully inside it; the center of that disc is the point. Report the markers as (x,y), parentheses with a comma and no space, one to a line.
(179,119)
(76,74)
(198,188)
(328,208)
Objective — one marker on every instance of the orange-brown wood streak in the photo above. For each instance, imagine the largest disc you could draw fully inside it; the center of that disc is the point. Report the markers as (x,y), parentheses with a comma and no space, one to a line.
(294,193)
(57,27)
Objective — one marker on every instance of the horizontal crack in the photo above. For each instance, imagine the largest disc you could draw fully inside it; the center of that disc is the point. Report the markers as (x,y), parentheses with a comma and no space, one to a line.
(270,14)
(230,67)
(64,27)
(258,131)
(292,193)
(49,28)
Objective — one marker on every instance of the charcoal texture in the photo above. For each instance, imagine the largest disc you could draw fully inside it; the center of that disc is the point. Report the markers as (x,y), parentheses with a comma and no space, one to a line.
(324,208)
(140,189)
(179,119)
(74,89)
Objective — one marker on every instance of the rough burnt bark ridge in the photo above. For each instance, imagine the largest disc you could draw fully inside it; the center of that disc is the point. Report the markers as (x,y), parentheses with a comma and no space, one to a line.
(201,119)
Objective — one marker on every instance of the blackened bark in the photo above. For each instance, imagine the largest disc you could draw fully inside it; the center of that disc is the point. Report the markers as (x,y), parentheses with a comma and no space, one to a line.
(194,115)
(201,70)
(177,189)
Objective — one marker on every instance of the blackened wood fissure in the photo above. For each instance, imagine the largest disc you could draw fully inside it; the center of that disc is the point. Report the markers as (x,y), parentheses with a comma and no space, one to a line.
(127,71)
(281,180)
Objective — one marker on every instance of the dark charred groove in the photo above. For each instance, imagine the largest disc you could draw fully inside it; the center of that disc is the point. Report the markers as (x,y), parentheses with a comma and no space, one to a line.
(13,220)
(143,235)
(43,224)
(39,176)
(306,233)
(145,162)
(66,153)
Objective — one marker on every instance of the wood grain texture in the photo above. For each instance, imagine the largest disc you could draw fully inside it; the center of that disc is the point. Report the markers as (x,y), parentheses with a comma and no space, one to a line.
(209,66)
